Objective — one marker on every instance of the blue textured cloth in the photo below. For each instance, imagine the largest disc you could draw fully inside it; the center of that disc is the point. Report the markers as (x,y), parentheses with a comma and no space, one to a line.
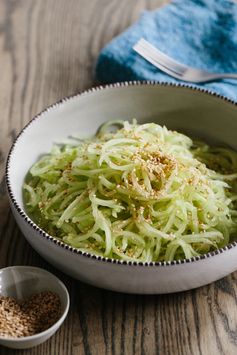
(199,33)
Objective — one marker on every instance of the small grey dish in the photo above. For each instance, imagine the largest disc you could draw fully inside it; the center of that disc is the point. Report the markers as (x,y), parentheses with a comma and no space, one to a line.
(187,109)
(21,282)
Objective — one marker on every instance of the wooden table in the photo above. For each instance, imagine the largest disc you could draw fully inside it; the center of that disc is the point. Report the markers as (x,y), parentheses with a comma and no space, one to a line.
(48,50)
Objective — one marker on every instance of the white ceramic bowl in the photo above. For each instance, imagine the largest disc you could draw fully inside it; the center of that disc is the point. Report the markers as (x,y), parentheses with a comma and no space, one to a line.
(196,112)
(21,282)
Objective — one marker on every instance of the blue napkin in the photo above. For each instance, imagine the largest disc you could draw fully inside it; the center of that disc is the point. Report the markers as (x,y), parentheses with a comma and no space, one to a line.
(199,33)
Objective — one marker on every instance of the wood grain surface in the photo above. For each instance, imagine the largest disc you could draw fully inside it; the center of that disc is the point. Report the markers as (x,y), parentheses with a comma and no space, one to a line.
(48,50)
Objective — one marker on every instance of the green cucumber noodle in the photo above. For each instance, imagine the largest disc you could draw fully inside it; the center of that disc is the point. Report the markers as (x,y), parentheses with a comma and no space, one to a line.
(137,193)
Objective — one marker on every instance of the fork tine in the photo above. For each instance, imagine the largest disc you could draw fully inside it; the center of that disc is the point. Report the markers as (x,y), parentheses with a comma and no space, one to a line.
(149,56)
(156,63)
(160,56)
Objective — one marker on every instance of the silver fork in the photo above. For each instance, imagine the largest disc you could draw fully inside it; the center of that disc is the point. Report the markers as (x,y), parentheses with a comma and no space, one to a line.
(174,68)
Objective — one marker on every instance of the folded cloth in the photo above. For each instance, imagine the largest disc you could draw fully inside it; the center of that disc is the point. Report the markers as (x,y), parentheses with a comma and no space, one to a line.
(199,33)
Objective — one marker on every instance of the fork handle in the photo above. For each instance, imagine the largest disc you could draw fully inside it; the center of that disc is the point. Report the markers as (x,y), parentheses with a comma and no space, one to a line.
(212,77)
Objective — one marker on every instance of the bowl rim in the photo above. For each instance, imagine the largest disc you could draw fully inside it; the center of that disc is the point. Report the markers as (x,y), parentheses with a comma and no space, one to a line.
(54,327)
(89,91)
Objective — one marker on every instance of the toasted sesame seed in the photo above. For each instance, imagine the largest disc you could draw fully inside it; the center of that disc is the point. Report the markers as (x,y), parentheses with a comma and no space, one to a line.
(32,316)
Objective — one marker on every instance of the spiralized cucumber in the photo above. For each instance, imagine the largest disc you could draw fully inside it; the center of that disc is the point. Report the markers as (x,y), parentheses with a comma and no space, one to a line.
(140,193)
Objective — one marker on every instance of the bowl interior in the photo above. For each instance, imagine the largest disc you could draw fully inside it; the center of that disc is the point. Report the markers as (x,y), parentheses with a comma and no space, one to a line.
(21,282)
(188,110)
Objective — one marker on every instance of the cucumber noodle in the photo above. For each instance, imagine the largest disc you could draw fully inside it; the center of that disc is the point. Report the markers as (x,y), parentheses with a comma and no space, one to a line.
(138,193)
